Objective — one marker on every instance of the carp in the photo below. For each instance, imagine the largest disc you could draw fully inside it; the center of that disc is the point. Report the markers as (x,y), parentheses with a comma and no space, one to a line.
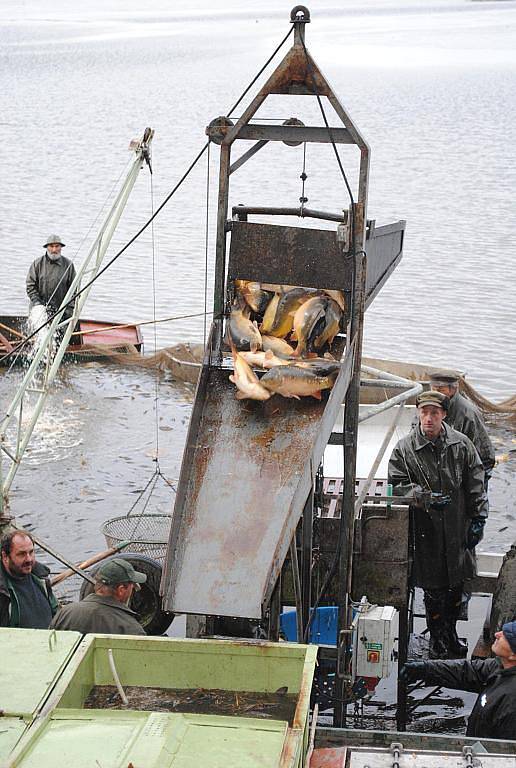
(286,308)
(263,359)
(337,296)
(242,332)
(270,314)
(306,319)
(294,381)
(246,380)
(253,295)
(279,346)
(330,329)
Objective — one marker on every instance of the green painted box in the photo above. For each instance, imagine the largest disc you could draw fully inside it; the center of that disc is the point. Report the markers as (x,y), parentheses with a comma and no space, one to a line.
(114,739)
(31,662)
(11,731)
(231,665)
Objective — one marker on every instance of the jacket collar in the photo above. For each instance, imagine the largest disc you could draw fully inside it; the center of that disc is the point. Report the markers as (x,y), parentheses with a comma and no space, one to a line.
(448,436)
(39,570)
(110,602)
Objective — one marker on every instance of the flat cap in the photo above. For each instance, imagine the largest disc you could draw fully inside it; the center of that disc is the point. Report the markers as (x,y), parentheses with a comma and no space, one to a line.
(509,631)
(444,377)
(119,571)
(51,239)
(432,398)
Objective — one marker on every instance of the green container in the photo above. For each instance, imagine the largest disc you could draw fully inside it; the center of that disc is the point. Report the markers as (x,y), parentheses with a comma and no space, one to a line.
(233,665)
(11,730)
(31,662)
(87,739)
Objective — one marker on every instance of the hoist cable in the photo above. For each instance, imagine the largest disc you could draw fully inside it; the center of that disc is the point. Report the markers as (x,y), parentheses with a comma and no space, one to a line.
(253,81)
(156,377)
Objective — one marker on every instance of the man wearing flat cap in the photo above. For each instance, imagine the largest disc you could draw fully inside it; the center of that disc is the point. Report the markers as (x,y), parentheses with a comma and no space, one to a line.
(494,713)
(441,470)
(49,278)
(106,610)
(464,416)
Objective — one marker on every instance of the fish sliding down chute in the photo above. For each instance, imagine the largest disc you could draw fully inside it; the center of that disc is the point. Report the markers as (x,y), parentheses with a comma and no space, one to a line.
(249,464)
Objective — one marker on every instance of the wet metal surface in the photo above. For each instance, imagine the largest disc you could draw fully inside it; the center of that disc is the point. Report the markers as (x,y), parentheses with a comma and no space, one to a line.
(242,490)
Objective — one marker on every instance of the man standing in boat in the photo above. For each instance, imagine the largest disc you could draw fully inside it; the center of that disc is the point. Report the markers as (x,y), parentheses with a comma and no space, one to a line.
(48,281)
(441,469)
(465,417)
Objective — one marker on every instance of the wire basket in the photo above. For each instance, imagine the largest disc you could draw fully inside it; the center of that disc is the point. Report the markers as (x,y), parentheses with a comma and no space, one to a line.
(148,534)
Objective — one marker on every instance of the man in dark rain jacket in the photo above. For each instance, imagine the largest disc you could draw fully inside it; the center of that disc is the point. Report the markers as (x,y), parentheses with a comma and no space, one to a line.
(464,416)
(440,468)
(494,713)
(50,276)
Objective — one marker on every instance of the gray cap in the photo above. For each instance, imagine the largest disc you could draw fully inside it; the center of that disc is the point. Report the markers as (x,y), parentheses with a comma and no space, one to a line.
(119,571)
(51,239)
(432,398)
(444,377)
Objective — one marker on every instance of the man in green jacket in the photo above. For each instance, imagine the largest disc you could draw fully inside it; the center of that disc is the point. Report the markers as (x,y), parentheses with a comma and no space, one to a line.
(441,469)
(26,597)
(106,610)
(464,416)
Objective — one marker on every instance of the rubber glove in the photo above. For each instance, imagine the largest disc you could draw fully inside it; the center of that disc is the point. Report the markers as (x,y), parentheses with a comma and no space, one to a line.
(412,671)
(475,532)
(439,501)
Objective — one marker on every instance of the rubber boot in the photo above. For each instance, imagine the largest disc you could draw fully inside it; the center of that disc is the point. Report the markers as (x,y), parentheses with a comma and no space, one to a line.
(435,621)
(457,648)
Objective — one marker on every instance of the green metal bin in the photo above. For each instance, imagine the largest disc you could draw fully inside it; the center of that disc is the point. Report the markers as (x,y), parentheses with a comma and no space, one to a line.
(232,665)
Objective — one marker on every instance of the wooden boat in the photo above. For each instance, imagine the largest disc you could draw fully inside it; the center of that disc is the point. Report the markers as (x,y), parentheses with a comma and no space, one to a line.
(95,339)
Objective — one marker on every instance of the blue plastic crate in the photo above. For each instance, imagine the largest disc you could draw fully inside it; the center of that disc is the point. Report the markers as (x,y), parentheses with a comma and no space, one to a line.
(323,629)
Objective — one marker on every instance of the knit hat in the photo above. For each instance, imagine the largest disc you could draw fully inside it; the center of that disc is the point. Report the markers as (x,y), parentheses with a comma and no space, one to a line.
(509,631)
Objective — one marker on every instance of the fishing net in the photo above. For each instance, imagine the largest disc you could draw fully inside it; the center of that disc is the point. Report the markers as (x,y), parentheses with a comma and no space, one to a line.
(148,533)
(183,361)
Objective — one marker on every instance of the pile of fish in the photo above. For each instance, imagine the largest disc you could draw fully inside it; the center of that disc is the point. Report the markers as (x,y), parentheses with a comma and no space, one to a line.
(283,329)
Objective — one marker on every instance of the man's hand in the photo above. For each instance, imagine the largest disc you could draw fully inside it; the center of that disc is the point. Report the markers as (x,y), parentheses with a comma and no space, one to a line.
(412,671)
(422,498)
(475,532)
(439,500)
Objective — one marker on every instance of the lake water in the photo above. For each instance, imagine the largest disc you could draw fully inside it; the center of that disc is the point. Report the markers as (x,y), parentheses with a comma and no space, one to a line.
(432,87)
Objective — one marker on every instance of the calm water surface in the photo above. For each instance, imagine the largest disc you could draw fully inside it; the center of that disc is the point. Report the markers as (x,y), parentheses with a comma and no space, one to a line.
(431,86)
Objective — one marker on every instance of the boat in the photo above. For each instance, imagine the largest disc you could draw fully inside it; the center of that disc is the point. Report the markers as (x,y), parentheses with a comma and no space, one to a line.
(95,339)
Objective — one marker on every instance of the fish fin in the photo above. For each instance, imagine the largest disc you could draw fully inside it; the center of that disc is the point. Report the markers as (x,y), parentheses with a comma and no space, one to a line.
(241,395)
(317,395)
(232,379)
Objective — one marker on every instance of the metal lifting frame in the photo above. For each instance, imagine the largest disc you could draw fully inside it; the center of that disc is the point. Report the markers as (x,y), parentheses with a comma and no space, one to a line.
(298,74)
(89,270)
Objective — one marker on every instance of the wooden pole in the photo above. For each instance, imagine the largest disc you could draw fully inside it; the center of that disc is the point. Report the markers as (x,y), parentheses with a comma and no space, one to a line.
(87,563)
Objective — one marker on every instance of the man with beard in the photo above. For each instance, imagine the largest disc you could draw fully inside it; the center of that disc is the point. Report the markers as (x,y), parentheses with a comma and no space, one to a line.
(442,472)
(106,609)
(26,597)
(48,280)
